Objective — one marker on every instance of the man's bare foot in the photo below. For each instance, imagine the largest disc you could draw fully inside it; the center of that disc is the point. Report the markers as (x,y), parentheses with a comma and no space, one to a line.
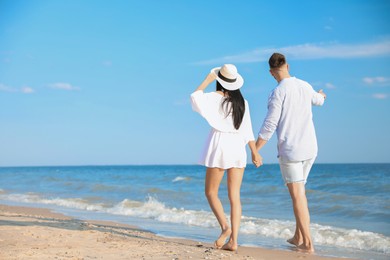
(230,246)
(294,241)
(306,249)
(222,238)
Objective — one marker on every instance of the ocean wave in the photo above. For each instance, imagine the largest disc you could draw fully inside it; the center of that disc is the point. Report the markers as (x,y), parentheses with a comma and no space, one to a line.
(74,203)
(154,209)
(322,235)
(181,178)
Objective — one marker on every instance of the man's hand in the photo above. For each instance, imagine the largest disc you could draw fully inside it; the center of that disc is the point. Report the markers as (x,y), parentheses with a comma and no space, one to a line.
(257,159)
(322,93)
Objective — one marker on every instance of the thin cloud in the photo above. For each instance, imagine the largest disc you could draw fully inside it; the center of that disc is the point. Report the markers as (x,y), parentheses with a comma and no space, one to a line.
(6,88)
(63,86)
(308,51)
(27,90)
(24,90)
(326,85)
(380,96)
(330,86)
(373,81)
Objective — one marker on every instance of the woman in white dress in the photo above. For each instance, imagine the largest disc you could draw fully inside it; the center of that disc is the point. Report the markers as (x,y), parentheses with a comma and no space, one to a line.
(227,112)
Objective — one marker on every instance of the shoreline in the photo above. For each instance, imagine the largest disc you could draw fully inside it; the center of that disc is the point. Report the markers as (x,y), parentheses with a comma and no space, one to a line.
(39,233)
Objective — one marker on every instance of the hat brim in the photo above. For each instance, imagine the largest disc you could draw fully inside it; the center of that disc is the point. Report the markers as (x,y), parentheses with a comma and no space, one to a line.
(227,85)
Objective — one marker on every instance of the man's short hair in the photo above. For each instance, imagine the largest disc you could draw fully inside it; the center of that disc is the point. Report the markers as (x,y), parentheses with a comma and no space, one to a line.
(276,60)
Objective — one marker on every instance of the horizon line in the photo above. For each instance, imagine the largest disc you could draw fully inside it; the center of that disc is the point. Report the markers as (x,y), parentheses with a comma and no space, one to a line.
(168,164)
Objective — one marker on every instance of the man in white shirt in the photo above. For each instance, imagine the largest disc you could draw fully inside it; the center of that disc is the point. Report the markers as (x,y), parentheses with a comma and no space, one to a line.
(290,115)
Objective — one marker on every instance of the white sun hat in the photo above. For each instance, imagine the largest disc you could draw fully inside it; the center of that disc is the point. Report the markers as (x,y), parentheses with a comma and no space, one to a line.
(228,77)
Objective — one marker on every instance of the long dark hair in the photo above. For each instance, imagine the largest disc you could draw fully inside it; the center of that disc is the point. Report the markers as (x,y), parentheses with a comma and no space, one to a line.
(238,104)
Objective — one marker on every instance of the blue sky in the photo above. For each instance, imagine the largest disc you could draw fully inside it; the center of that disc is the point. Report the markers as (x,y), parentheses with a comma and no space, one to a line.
(108,82)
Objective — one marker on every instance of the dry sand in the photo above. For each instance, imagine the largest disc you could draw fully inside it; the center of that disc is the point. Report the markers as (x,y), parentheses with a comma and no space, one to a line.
(32,233)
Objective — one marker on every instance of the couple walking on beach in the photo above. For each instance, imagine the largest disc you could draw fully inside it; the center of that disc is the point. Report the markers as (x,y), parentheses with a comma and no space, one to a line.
(289,114)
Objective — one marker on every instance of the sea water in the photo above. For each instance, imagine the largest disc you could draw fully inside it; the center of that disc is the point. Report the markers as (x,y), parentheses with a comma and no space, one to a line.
(349,203)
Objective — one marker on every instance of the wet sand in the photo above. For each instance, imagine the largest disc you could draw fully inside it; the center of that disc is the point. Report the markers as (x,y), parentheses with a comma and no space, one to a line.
(35,233)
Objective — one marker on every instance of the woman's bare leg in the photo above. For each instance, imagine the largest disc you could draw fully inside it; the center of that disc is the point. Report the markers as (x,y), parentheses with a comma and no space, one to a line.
(235,176)
(213,179)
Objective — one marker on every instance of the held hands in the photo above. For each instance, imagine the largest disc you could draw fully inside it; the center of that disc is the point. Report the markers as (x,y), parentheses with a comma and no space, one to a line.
(257,159)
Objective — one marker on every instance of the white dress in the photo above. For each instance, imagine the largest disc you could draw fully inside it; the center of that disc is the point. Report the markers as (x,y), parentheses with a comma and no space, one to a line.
(225,147)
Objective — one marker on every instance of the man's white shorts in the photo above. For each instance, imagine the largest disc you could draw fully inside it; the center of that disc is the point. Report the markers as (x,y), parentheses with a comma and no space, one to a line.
(295,171)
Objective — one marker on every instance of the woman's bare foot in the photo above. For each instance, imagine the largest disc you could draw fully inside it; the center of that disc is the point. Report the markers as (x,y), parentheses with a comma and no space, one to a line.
(230,246)
(294,241)
(306,249)
(222,238)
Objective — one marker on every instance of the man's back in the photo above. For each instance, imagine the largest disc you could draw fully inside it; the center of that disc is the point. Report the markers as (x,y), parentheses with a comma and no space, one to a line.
(290,111)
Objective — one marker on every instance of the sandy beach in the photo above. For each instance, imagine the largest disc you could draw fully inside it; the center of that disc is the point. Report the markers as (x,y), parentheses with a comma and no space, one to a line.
(34,233)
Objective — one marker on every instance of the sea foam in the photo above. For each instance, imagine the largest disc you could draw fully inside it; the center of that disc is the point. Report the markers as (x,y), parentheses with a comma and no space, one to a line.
(154,209)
